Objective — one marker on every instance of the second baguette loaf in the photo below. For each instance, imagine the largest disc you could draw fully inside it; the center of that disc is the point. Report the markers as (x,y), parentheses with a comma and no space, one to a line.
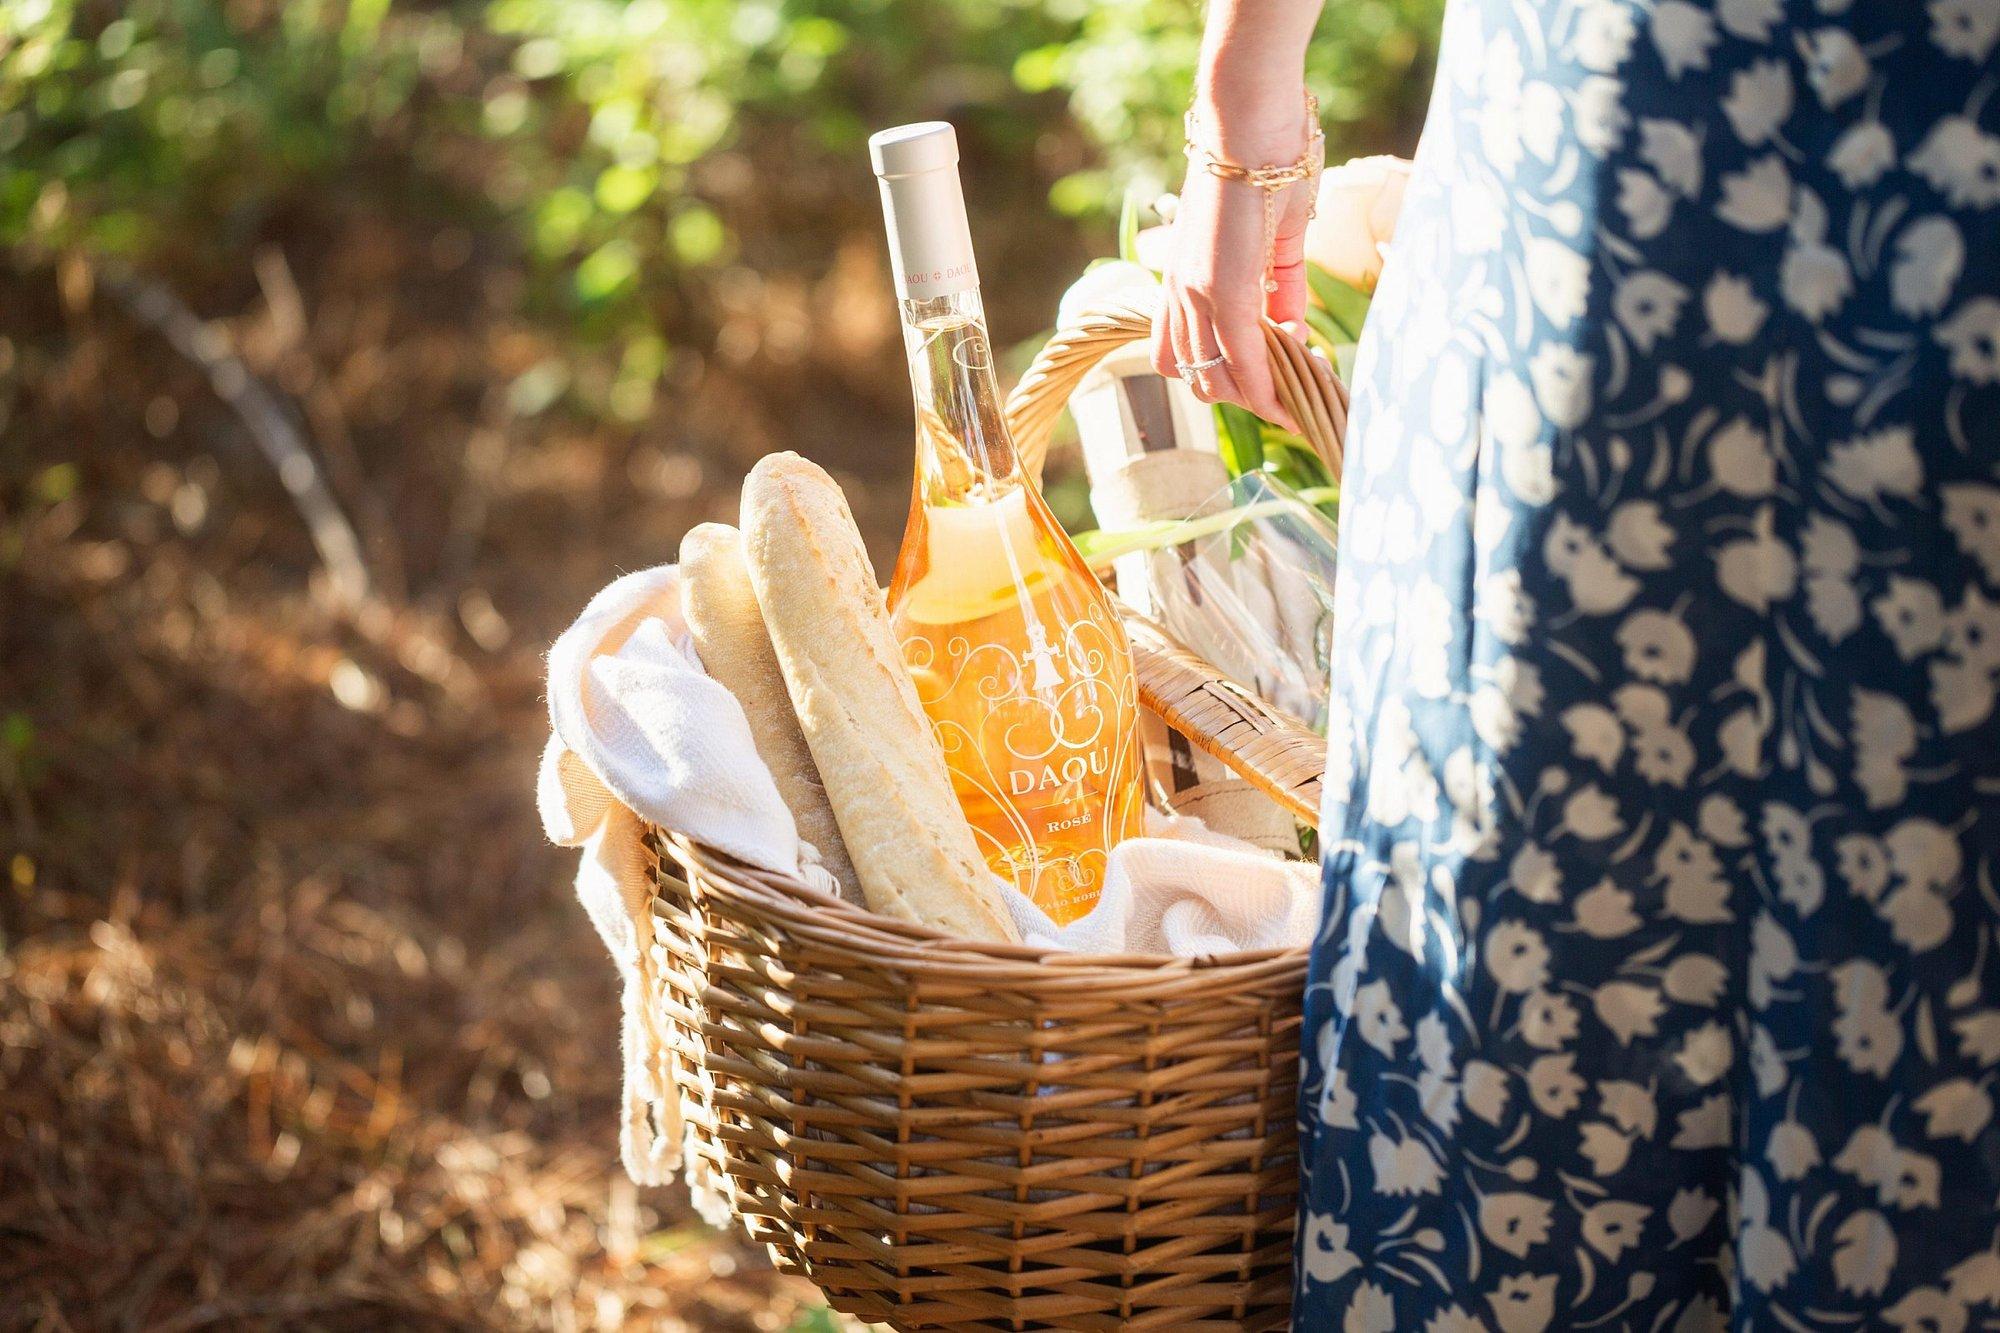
(883,771)
(729,633)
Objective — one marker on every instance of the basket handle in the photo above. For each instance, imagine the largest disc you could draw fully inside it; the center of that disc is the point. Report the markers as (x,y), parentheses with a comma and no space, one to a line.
(1268,748)
(1273,751)
(1306,384)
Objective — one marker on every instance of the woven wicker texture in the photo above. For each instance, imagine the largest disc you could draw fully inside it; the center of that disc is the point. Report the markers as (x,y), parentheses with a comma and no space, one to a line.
(1272,750)
(947,1134)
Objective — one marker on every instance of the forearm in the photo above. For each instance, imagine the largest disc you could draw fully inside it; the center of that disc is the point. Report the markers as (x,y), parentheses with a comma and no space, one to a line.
(1250,84)
(1236,241)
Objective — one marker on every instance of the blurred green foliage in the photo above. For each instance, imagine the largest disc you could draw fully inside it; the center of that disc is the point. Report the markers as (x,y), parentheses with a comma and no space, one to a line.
(1127,67)
(596,128)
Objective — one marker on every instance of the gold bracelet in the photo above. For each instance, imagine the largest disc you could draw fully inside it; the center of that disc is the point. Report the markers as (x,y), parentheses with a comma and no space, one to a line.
(1271,180)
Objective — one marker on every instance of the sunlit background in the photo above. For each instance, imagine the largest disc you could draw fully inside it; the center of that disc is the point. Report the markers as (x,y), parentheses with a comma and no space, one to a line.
(345,349)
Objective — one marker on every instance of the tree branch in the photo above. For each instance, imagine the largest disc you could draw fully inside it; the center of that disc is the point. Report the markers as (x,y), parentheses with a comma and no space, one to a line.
(155,304)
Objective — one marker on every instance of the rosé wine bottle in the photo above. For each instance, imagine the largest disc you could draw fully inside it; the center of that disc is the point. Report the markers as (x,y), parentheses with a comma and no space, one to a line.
(1017,653)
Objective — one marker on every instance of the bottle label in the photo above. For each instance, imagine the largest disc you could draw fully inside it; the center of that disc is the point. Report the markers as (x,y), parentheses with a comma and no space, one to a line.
(1037,719)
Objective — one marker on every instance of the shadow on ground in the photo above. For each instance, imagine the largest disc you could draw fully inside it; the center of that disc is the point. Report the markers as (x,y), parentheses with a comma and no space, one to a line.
(299,1027)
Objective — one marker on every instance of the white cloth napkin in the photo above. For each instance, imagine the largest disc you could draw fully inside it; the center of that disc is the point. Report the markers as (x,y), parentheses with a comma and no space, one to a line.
(642,734)
(1184,889)
(630,703)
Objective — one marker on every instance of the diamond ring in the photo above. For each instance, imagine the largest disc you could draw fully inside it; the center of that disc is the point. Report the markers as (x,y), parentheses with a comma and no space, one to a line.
(1187,368)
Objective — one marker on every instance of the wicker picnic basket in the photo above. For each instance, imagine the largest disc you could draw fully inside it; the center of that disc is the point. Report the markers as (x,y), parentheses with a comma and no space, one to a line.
(946,1134)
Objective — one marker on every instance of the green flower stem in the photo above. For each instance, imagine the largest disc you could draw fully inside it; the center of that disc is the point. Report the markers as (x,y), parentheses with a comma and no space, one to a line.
(1100,546)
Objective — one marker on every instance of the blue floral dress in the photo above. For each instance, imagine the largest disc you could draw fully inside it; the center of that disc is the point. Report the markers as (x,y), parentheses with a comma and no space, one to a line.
(1659,985)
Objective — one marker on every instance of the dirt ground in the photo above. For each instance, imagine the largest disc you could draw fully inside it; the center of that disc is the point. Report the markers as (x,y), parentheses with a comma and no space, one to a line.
(300,1027)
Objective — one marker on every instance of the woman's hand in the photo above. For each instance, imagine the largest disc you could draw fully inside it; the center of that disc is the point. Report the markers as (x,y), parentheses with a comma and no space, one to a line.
(1215,300)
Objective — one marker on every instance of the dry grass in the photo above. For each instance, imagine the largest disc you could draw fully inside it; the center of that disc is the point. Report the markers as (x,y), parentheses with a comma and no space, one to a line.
(299,1027)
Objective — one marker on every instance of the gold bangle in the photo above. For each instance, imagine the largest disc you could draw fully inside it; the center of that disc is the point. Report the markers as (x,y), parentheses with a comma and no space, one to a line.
(1271,180)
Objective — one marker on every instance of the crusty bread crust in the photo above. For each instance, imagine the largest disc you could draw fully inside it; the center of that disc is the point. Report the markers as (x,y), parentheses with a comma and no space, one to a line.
(885,775)
(728,630)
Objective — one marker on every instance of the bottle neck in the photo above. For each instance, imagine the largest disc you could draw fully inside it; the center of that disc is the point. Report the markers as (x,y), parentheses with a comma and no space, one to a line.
(963,449)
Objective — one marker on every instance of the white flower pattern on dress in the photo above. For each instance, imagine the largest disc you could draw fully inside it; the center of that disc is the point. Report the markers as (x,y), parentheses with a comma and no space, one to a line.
(1660,981)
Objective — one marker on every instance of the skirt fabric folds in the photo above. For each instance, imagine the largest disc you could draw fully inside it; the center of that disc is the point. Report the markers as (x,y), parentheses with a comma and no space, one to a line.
(1659,984)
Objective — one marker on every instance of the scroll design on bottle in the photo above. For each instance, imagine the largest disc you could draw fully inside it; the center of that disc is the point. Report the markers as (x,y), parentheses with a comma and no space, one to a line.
(1046,734)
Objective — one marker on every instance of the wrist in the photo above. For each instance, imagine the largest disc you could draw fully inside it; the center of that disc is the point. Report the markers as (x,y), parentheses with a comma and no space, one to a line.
(1254,122)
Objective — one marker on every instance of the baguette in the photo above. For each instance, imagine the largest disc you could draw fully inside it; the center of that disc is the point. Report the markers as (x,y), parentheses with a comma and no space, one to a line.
(885,775)
(729,633)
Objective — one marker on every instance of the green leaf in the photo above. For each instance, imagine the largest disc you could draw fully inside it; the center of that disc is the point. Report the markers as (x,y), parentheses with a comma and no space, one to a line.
(1345,306)
(1080,194)
(1039,69)
(607,270)
(560,220)
(620,189)
(1240,436)
(1128,227)
(1299,467)
(1320,326)
(698,236)
(55,483)
(364,21)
